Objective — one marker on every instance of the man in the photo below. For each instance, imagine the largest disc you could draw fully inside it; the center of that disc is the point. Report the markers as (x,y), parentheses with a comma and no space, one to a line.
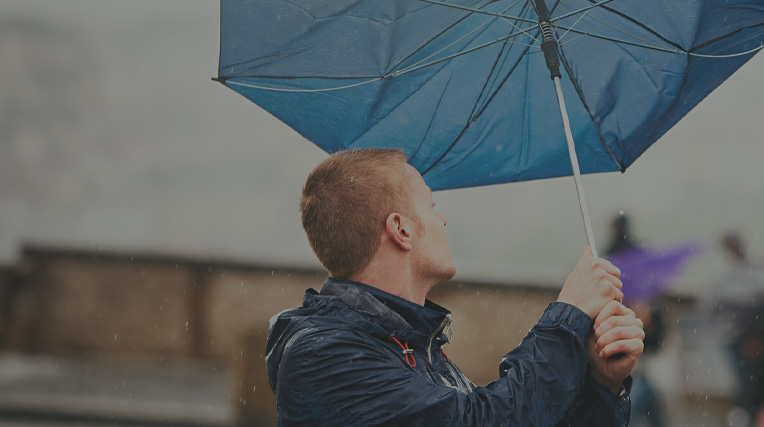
(366,350)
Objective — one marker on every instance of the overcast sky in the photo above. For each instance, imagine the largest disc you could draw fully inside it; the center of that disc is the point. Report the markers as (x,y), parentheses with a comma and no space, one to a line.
(112,135)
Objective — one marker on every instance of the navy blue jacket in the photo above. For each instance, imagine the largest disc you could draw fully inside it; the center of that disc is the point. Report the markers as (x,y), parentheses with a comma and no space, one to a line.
(354,355)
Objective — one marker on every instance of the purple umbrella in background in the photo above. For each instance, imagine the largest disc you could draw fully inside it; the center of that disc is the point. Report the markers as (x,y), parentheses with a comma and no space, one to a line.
(647,274)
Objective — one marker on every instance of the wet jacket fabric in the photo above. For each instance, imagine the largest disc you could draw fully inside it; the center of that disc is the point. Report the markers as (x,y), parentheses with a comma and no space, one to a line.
(354,355)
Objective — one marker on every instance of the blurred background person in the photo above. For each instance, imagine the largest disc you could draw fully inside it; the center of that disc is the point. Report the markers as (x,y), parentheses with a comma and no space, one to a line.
(646,406)
(648,274)
(737,307)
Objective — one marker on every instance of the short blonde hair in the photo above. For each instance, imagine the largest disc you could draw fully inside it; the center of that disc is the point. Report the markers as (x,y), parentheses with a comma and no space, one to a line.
(345,203)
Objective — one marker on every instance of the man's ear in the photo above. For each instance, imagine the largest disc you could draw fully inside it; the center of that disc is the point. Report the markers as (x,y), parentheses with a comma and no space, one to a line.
(399,230)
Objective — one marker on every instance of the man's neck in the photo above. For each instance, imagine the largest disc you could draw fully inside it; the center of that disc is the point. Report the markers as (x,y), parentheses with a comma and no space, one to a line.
(394,279)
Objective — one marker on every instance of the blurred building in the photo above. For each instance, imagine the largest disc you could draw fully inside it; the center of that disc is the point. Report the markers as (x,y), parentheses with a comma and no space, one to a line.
(102,305)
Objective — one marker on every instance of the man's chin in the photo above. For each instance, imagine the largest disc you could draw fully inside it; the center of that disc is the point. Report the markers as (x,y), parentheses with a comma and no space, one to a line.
(451,273)
(447,275)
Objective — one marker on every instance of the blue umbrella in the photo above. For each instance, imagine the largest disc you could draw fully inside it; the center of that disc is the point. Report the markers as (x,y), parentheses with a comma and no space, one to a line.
(462,86)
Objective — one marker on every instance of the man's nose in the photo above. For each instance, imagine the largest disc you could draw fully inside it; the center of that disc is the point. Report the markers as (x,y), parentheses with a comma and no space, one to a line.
(443,218)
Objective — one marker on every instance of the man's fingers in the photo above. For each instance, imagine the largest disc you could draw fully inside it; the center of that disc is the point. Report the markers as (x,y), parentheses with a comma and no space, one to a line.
(613,308)
(619,296)
(610,268)
(619,333)
(606,266)
(631,347)
(615,281)
(615,322)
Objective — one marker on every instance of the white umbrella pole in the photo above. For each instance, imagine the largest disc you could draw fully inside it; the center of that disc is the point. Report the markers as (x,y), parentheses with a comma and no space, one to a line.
(576,169)
(549,47)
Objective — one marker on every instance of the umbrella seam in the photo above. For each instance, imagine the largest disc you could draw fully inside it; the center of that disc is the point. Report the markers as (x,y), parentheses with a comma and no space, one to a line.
(497,74)
(474,117)
(580,93)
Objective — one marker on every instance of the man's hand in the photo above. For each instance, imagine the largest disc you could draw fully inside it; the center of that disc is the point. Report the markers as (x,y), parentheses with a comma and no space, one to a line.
(593,283)
(617,332)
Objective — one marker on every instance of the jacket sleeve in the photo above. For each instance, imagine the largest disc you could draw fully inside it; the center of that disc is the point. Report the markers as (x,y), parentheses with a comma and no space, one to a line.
(597,406)
(333,378)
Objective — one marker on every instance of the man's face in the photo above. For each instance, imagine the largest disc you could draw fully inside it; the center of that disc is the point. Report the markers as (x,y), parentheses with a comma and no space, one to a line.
(432,257)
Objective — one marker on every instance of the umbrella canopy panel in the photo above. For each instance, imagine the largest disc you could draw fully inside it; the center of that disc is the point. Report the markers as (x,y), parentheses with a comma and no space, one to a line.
(462,87)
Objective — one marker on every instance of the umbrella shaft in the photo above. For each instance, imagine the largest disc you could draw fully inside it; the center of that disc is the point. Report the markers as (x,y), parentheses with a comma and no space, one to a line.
(576,170)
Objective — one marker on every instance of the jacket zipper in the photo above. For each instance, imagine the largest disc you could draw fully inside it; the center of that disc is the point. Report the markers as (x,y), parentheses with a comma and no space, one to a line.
(444,324)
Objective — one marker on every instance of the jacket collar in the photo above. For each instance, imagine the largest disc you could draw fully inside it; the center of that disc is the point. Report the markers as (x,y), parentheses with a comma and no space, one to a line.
(389,310)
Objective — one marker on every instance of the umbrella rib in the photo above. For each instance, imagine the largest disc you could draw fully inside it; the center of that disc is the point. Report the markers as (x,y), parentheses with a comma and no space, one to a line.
(473,117)
(482,12)
(371,80)
(521,30)
(559,39)
(678,47)
(731,55)
(621,41)
(328,89)
(650,30)
(714,40)
(428,42)
(437,61)
(576,12)
(456,41)
(488,101)
(626,33)
(580,93)
(523,12)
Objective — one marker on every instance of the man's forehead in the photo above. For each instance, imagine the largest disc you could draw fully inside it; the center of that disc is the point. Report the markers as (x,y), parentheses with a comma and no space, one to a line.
(417,181)
(414,174)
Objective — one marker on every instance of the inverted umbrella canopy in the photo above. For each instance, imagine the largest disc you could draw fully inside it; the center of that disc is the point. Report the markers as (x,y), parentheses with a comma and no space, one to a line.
(462,87)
